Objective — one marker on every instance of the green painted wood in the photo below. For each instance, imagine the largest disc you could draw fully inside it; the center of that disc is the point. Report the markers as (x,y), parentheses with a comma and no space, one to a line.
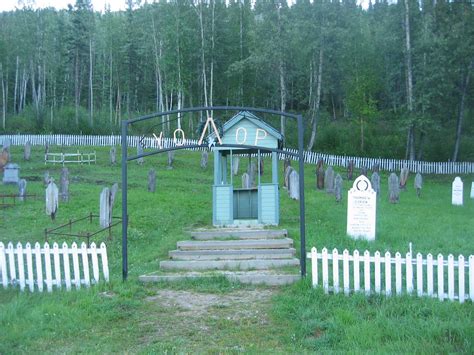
(247,133)
(245,203)
(222,205)
(268,204)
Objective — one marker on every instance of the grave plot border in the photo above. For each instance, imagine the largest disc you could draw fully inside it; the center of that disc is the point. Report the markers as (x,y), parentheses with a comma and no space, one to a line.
(88,235)
(125,159)
(14,197)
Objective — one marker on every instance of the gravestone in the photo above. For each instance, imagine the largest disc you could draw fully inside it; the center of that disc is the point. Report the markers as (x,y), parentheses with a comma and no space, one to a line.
(393,188)
(46,148)
(376,168)
(6,144)
(418,184)
(294,190)
(64,185)
(52,194)
(113,155)
(363,171)
(329,180)
(350,170)
(338,187)
(246,181)
(46,179)
(288,171)
(457,195)
(22,189)
(11,174)
(4,158)
(235,165)
(151,180)
(27,151)
(472,189)
(170,159)
(286,164)
(375,181)
(204,159)
(113,193)
(361,210)
(104,215)
(320,175)
(140,152)
(252,171)
(404,178)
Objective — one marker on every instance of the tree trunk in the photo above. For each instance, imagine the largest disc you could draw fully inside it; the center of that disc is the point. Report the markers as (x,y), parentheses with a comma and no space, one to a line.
(111,107)
(91,89)
(411,129)
(15,91)
(241,70)
(211,88)
(317,101)
(4,100)
(76,87)
(282,77)
(464,87)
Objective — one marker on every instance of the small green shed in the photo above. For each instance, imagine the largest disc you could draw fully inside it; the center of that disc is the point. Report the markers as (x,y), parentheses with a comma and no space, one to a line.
(234,205)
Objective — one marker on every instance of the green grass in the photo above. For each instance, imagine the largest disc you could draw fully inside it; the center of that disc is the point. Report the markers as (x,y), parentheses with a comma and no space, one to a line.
(125,317)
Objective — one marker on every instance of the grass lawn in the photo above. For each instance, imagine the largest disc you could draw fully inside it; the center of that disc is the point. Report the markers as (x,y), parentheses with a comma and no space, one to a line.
(216,315)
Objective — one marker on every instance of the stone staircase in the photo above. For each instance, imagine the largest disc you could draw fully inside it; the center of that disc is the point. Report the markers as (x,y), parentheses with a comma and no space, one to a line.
(247,255)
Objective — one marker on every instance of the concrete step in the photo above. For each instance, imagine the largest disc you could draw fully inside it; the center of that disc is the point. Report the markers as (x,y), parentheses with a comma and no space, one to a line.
(235,244)
(247,277)
(194,265)
(238,233)
(232,254)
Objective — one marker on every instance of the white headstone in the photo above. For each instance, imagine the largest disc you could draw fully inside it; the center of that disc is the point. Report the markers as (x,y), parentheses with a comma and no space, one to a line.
(105,207)
(361,209)
(246,181)
(457,192)
(235,165)
(52,194)
(140,152)
(11,174)
(472,189)
(294,189)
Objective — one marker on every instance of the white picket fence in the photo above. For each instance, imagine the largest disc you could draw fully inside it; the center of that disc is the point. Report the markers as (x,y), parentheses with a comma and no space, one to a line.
(310,157)
(66,158)
(374,274)
(42,267)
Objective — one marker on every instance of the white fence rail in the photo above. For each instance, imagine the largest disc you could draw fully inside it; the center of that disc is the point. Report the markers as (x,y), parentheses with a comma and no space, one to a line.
(44,267)
(66,158)
(387,274)
(310,157)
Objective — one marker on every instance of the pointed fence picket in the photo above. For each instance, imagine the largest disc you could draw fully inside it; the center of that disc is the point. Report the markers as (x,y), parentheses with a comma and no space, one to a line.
(39,267)
(309,157)
(412,275)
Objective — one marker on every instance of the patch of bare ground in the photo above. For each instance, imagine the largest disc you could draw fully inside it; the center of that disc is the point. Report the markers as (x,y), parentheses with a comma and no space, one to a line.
(208,319)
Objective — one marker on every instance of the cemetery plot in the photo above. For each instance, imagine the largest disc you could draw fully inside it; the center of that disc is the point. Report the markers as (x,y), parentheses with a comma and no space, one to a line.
(9,200)
(67,158)
(76,229)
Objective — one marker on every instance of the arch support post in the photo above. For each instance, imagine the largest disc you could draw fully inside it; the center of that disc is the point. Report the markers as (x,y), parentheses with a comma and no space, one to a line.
(302,209)
(124,202)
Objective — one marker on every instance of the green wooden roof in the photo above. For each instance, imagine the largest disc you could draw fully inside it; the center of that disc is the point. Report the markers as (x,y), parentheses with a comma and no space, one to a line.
(245,115)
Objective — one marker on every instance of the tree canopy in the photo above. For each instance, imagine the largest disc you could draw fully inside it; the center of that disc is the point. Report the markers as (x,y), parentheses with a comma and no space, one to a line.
(393,80)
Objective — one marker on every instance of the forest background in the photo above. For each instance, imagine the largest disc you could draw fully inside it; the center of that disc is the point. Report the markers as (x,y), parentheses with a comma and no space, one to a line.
(393,80)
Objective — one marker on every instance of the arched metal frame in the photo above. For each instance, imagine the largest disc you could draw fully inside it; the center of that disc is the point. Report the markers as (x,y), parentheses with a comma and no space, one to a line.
(125,159)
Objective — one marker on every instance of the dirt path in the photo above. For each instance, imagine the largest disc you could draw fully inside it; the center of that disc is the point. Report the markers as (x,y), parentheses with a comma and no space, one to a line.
(195,321)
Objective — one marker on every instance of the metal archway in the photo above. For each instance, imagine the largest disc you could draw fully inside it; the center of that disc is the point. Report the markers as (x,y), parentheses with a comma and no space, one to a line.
(125,159)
